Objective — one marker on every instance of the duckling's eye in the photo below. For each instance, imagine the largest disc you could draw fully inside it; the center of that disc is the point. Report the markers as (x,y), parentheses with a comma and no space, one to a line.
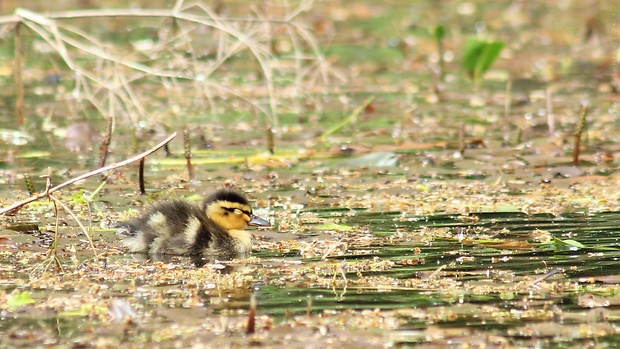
(237,211)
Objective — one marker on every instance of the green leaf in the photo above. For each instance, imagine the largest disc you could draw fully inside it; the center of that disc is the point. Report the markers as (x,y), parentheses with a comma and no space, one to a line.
(480,55)
(489,54)
(19,299)
(473,51)
(559,245)
(568,242)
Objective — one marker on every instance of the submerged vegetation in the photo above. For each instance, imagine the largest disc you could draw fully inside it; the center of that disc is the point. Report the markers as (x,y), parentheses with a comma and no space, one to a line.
(408,205)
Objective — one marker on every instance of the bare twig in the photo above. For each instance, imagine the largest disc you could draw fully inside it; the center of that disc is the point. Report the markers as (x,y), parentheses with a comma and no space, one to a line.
(578,131)
(86,175)
(251,315)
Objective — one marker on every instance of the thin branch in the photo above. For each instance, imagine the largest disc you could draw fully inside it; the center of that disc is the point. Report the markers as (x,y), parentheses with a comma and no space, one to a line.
(86,175)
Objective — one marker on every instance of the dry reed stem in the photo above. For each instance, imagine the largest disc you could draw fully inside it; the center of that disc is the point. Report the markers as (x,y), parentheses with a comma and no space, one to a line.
(578,131)
(63,38)
(19,82)
(188,155)
(105,145)
(251,315)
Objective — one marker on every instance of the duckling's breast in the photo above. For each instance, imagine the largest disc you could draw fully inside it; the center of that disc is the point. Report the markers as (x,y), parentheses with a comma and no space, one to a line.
(243,241)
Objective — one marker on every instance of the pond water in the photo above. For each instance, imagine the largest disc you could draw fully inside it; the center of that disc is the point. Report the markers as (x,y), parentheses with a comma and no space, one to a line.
(453,280)
(405,210)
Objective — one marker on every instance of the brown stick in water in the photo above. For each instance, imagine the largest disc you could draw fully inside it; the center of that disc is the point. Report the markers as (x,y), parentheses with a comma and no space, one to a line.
(86,175)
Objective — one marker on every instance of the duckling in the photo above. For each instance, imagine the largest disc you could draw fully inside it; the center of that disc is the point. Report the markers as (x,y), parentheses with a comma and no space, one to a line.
(213,229)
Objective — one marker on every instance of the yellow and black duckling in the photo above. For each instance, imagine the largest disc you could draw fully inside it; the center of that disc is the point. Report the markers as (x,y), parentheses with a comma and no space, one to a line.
(213,229)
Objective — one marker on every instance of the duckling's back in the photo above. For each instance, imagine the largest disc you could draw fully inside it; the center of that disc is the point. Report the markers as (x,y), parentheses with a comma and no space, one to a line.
(178,228)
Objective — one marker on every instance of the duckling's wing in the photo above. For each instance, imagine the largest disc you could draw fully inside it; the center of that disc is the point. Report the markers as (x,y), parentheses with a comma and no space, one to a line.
(168,228)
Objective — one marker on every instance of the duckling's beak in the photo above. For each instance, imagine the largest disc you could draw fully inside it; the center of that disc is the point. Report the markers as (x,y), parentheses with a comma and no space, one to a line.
(257,221)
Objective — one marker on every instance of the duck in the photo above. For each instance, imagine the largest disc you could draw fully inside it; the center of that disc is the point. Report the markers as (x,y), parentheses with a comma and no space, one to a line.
(214,228)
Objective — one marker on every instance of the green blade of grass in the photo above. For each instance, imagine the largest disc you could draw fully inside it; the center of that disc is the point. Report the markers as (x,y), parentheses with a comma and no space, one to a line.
(348,119)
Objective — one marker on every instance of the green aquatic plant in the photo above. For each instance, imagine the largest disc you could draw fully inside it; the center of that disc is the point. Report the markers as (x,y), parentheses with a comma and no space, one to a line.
(78,198)
(17,300)
(561,245)
(479,55)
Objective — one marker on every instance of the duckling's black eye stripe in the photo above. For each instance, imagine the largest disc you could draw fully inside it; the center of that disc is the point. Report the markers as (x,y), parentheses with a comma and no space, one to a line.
(232,210)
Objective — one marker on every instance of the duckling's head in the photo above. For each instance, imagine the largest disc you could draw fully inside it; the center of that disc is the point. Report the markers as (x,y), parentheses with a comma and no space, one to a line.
(231,210)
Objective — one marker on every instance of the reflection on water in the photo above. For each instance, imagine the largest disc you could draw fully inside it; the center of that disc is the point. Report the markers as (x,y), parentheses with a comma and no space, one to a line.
(463,263)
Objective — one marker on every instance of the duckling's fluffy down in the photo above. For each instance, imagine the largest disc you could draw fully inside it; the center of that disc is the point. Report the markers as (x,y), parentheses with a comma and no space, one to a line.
(181,228)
